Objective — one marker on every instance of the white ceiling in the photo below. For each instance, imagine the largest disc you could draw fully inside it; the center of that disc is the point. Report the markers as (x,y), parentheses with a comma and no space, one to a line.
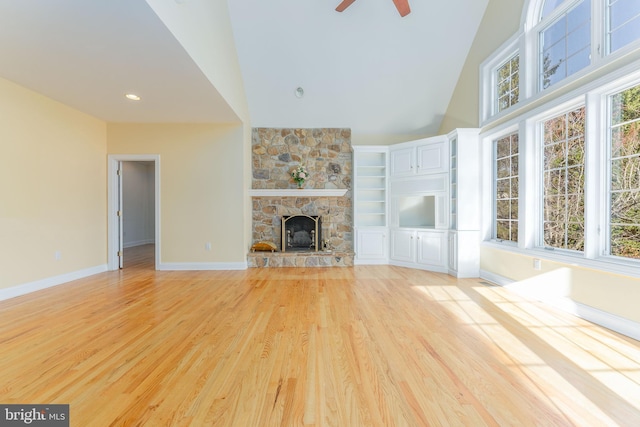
(366,68)
(89,53)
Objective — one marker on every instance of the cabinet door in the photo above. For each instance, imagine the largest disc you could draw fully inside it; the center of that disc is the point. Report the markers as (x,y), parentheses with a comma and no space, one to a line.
(432,158)
(402,245)
(401,161)
(371,244)
(432,248)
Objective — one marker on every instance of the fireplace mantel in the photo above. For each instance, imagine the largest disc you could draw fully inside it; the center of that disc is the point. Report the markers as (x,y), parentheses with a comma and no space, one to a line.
(295,192)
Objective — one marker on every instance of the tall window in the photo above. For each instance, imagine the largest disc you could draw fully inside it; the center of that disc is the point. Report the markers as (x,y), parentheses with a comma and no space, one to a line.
(508,80)
(506,188)
(565,44)
(625,174)
(623,23)
(564,149)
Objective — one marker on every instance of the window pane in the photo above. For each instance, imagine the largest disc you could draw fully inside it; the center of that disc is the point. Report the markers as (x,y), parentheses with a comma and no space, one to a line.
(563,180)
(554,33)
(548,7)
(624,219)
(565,45)
(579,15)
(578,38)
(502,230)
(575,180)
(624,23)
(625,241)
(624,173)
(514,187)
(505,200)
(626,106)
(578,61)
(507,84)
(504,167)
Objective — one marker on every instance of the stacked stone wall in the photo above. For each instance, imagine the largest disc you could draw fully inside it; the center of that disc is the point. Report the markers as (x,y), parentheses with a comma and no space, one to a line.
(328,157)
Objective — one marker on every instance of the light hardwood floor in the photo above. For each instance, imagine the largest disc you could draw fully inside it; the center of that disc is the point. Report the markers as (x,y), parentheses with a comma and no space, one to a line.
(362,346)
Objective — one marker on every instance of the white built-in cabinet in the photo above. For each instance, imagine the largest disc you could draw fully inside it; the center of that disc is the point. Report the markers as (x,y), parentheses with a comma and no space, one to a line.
(416,204)
(419,196)
(464,203)
(424,249)
(424,156)
(370,204)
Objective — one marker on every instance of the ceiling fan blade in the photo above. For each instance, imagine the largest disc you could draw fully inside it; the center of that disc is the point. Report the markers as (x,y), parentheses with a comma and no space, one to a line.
(402,6)
(345,4)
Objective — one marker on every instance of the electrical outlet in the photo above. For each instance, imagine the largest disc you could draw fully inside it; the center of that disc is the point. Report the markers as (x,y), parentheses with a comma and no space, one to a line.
(537,264)
(207,246)
(57,255)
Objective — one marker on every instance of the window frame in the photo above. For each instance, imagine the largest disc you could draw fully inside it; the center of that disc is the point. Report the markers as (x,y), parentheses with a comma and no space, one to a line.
(607,124)
(609,73)
(605,40)
(594,96)
(526,43)
(496,83)
(494,180)
(559,13)
(488,81)
(564,108)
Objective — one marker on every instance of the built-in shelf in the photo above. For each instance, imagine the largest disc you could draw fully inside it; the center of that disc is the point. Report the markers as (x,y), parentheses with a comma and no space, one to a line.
(295,192)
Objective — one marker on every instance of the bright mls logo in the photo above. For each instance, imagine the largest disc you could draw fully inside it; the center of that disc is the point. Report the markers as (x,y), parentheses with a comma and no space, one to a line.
(34,415)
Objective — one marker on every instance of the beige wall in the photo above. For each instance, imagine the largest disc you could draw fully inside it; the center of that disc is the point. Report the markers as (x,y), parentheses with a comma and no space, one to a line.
(613,293)
(204,30)
(52,187)
(501,21)
(202,178)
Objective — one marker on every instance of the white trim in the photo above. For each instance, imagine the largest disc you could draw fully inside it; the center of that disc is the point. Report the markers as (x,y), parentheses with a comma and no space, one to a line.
(202,266)
(370,261)
(112,201)
(607,320)
(419,266)
(25,288)
(303,192)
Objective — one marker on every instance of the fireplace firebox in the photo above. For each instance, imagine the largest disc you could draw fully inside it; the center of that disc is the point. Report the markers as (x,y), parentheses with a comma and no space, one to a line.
(301,233)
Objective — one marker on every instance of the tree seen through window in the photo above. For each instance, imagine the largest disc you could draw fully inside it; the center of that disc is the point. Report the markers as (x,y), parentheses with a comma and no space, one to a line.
(564,155)
(506,188)
(625,174)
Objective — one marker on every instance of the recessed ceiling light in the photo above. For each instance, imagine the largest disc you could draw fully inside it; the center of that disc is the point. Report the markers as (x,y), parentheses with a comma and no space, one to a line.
(132,96)
(299,92)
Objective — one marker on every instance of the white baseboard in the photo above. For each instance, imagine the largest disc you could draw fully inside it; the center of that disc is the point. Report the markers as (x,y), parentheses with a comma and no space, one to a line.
(25,288)
(370,262)
(138,243)
(599,317)
(195,266)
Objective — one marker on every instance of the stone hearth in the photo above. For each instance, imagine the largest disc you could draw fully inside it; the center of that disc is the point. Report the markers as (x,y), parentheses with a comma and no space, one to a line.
(327,155)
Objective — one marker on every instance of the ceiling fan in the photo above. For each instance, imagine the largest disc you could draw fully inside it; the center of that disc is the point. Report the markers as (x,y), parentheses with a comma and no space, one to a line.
(401,5)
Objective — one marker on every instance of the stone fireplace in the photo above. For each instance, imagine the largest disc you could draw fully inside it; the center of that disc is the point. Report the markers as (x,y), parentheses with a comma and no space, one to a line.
(325,200)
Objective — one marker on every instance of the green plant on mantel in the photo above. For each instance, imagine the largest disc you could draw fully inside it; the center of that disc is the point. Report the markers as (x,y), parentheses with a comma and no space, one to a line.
(299,175)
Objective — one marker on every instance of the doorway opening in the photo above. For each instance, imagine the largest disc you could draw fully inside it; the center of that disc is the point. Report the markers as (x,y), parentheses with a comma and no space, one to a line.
(134,211)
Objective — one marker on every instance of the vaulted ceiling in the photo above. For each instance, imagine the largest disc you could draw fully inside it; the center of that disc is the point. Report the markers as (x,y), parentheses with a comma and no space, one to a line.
(365,68)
